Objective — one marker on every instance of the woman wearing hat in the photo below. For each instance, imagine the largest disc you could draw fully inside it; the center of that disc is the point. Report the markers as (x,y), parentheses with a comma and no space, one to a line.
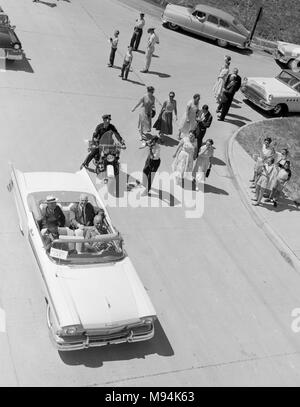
(147,103)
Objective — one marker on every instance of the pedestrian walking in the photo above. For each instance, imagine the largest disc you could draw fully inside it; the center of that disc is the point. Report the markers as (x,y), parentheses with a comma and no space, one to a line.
(164,122)
(114,45)
(267,151)
(126,64)
(152,40)
(188,121)
(203,163)
(222,77)
(283,176)
(232,85)
(137,32)
(147,103)
(263,181)
(152,163)
(203,122)
(184,157)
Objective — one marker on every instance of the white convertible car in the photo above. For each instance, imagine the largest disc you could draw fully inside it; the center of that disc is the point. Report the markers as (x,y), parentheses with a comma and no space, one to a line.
(94,297)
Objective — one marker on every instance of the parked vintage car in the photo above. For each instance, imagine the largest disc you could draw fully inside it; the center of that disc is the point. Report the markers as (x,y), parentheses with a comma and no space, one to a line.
(278,95)
(208,22)
(94,295)
(10,44)
(288,54)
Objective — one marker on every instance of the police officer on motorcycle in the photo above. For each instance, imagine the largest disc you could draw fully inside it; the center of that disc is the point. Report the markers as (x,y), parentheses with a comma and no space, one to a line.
(100,130)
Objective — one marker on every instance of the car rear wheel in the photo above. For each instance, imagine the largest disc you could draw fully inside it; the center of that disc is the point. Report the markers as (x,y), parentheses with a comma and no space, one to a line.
(280,110)
(222,43)
(294,64)
(173,26)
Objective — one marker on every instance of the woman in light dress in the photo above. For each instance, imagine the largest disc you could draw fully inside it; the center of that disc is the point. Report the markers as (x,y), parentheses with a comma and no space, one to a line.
(223,75)
(203,161)
(183,158)
(148,107)
(263,181)
(188,121)
(267,151)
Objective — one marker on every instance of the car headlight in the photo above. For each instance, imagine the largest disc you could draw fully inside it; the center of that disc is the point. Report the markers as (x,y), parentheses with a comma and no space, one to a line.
(110,158)
(270,97)
(70,330)
(17,46)
(245,81)
(147,321)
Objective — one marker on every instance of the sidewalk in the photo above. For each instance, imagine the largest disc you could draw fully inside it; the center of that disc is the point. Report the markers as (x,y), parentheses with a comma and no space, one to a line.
(280,224)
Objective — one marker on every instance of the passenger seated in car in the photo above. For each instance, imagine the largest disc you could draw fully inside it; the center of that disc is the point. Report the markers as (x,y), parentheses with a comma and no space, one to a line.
(81,214)
(52,214)
(98,229)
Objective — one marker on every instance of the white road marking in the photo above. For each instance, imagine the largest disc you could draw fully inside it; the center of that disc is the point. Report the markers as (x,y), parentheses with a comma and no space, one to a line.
(2,321)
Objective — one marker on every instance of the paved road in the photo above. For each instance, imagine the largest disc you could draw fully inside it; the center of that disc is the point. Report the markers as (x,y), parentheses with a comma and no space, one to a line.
(222,292)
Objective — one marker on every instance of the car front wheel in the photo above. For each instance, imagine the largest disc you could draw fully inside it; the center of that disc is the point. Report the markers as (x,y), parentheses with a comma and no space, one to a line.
(222,43)
(280,110)
(294,64)
(173,26)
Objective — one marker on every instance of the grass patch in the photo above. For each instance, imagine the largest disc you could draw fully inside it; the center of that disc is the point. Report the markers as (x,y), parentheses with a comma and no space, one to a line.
(285,133)
(279,21)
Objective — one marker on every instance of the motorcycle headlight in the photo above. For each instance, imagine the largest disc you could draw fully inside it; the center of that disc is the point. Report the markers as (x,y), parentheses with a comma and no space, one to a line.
(70,330)
(245,81)
(110,158)
(270,97)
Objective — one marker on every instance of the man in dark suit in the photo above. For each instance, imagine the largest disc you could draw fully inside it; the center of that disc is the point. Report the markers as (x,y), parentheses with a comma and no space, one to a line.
(204,120)
(232,85)
(82,214)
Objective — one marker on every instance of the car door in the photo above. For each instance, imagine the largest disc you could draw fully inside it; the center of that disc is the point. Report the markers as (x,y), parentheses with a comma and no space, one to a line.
(225,32)
(211,26)
(197,22)
(17,187)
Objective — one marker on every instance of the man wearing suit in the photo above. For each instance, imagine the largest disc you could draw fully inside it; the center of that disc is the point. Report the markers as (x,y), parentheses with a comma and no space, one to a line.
(232,85)
(81,214)
(204,120)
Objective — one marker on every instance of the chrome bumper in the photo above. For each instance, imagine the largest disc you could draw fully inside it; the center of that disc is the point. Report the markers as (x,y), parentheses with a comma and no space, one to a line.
(258,102)
(14,56)
(88,342)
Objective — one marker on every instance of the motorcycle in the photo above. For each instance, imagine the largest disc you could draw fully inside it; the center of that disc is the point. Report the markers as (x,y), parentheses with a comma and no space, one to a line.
(106,162)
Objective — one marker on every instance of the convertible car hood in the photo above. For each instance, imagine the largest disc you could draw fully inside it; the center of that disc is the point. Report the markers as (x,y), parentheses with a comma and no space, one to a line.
(272,86)
(102,296)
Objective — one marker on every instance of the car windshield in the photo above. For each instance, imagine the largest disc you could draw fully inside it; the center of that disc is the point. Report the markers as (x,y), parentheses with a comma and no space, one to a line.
(288,79)
(68,244)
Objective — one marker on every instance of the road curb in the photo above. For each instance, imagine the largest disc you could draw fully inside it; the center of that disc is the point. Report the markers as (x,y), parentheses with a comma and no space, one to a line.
(261,222)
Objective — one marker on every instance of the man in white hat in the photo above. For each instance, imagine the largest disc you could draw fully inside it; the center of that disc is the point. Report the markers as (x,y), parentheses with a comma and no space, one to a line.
(52,215)
(152,40)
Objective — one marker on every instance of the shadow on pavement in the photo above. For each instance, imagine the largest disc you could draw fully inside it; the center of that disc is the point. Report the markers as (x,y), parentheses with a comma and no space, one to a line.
(238,123)
(95,357)
(160,74)
(247,51)
(169,141)
(144,52)
(235,106)
(23,65)
(284,204)
(165,197)
(237,116)
(135,82)
(217,161)
(46,3)
(214,190)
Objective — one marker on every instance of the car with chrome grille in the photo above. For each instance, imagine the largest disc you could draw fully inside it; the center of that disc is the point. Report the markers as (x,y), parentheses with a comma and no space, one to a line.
(278,96)
(288,54)
(10,44)
(93,297)
(208,22)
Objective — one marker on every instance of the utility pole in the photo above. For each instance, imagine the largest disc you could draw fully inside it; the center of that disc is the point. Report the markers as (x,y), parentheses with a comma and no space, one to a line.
(258,16)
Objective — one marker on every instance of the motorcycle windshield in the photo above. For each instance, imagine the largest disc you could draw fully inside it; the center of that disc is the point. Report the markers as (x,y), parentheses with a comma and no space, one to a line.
(107,139)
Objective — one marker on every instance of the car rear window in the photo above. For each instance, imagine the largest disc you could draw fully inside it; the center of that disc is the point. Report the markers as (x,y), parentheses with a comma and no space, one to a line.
(224,24)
